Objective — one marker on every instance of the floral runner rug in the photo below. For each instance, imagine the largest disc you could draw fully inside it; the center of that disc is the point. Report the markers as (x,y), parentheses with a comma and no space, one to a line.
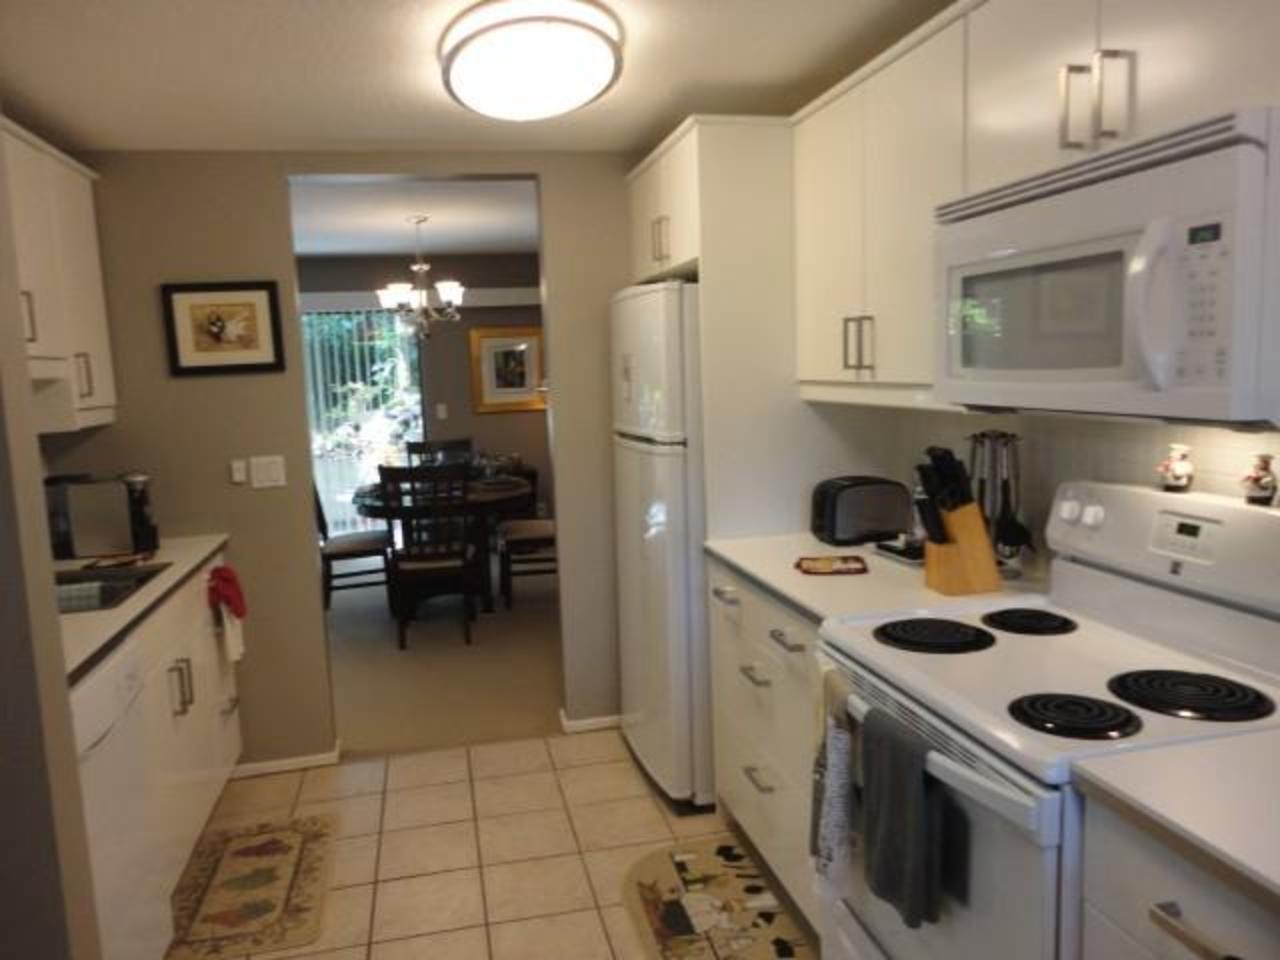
(707,900)
(253,888)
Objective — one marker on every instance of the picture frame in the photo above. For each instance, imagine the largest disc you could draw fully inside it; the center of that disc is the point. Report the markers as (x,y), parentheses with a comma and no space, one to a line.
(223,328)
(506,369)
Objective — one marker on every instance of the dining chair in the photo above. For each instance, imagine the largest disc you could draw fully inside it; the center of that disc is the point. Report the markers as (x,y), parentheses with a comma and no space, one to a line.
(526,548)
(434,553)
(447,451)
(357,545)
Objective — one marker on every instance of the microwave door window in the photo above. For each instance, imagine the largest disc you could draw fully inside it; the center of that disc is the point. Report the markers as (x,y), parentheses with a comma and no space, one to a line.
(1064,316)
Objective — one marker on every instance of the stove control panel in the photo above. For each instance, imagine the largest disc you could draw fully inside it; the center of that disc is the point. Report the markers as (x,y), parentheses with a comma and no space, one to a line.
(1185,536)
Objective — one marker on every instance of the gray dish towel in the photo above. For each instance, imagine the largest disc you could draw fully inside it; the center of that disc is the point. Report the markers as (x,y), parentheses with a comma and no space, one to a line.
(902,810)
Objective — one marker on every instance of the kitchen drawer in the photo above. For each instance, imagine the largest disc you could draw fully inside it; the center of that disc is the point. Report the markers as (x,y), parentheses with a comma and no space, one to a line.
(1129,871)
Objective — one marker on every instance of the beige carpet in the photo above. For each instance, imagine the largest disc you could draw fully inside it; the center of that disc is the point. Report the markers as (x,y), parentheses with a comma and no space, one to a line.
(441,693)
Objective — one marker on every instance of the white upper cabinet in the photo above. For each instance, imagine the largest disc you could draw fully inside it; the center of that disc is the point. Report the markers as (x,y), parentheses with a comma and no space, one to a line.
(1029,92)
(665,216)
(914,161)
(31,186)
(1166,63)
(830,267)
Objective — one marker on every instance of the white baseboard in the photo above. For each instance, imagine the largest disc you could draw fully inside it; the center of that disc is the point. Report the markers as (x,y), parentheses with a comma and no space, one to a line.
(588,724)
(286,764)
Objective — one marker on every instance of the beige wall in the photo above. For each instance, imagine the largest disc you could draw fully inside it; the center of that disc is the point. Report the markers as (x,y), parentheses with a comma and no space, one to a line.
(225,216)
(46,909)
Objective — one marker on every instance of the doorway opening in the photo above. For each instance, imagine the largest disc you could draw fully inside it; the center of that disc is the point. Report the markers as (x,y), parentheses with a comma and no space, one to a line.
(465,400)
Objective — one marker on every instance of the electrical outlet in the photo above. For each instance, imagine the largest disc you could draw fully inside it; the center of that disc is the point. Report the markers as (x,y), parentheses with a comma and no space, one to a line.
(442,411)
(266,471)
(239,471)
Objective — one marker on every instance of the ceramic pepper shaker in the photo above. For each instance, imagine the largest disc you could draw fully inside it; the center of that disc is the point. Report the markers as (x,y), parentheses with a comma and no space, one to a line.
(1176,469)
(1260,483)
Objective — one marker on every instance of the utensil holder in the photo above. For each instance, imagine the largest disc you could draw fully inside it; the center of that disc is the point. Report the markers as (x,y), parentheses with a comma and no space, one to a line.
(967,563)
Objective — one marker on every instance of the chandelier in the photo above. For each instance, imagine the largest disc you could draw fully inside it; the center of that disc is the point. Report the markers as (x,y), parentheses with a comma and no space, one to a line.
(412,301)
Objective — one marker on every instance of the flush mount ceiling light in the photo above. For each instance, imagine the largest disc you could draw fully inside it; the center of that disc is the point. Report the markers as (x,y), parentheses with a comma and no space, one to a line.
(531,59)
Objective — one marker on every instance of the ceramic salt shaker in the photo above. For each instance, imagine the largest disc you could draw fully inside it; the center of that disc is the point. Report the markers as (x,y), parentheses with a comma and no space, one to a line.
(1176,469)
(1260,483)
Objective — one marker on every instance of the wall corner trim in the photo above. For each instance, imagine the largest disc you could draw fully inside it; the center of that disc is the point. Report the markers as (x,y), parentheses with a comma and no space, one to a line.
(286,764)
(587,724)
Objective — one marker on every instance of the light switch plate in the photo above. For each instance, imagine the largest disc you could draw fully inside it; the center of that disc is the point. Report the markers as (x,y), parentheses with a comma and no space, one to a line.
(239,471)
(266,471)
(442,411)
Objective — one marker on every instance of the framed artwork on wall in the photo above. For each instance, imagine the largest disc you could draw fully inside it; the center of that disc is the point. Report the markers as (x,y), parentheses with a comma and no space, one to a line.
(506,369)
(214,328)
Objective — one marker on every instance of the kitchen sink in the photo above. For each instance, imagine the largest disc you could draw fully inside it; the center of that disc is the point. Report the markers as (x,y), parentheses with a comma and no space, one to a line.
(83,591)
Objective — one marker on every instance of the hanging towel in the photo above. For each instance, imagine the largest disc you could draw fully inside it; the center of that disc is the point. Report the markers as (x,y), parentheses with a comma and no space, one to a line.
(902,810)
(833,814)
(226,599)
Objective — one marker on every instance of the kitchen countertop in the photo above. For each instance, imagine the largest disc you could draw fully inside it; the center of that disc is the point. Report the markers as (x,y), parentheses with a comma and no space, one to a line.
(887,585)
(1217,796)
(89,635)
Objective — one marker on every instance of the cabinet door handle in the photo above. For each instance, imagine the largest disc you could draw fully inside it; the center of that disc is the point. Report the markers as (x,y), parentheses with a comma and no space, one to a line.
(726,595)
(664,238)
(1167,916)
(1065,75)
(188,682)
(752,673)
(655,243)
(779,636)
(854,335)
(183,708)
(1097,85)
(752,774)
(84,375)
(31,331)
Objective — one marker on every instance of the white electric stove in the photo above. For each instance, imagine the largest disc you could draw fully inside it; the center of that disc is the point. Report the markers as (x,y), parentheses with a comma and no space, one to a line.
(1162,626)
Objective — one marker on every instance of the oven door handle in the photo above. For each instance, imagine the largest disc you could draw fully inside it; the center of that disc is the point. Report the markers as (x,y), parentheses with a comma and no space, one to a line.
(1037,816)
(1153,328)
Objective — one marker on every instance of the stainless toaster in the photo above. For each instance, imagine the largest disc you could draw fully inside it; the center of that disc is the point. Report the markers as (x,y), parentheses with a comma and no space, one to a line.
(852,510)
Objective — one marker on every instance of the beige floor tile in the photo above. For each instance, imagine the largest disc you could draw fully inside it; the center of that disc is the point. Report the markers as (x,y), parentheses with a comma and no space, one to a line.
(357,816)
(343,780)
(522,793)
(354,859)
(526,836)
(421,850)
(694,825)
(579,936)
(257,794)
(618,823)
(432,904)
(623,935)
(602,781)
(536,888)
(424,806)
(345,923)
(427,769)
(580,749)
(608,869)
(511,757)
(470,944)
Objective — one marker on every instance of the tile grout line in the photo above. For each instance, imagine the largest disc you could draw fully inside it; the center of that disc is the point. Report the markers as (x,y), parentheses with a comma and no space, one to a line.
(377,855)
(484,897)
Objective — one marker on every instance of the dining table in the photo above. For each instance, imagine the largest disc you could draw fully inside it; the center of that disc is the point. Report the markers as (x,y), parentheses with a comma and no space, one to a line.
(487,498)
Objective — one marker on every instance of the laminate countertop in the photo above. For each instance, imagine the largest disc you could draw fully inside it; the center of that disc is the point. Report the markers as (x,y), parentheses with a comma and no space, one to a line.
(1216,796)
(88,636)
(888,584)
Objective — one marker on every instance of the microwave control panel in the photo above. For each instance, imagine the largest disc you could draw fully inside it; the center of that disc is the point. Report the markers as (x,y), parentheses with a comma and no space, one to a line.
(1203,354)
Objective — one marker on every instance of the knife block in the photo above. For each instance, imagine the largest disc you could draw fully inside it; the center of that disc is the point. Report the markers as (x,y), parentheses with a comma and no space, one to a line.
(967,564)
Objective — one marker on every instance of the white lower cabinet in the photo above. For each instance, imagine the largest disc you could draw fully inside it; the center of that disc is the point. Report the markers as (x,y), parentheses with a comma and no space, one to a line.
(1146,899)
(765,692)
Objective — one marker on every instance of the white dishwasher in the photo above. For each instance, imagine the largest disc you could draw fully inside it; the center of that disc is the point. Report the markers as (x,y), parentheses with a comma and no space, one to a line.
(111,741)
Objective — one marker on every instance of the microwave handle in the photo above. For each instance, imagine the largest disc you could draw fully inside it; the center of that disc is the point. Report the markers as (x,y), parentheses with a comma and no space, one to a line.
(1152,331)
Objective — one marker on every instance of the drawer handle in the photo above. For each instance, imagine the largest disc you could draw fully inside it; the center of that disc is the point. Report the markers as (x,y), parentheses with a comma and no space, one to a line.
(753,775)
(1168,917)
(779,636)
(727,595)
(751,672)
(183,707)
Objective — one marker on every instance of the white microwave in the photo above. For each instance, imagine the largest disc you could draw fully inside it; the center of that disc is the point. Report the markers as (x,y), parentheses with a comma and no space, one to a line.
(1143,281)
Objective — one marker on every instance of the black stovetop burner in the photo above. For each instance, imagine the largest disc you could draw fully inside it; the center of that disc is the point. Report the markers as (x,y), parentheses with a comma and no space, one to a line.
(1071,715)
(1193,696)
(1042,623)
(933,635)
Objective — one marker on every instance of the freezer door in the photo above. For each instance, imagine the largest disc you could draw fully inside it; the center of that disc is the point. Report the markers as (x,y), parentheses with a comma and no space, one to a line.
(653,610)
(648,362)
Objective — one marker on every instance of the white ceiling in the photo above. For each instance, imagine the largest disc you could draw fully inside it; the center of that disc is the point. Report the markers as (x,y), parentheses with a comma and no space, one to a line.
(350,74)
(366,215)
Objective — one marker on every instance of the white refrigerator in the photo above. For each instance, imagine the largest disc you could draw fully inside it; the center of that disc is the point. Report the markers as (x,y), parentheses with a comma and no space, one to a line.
(660,526)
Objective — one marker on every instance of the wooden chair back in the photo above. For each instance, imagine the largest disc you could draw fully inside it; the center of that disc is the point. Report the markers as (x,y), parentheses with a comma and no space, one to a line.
(435,520)
(438,451)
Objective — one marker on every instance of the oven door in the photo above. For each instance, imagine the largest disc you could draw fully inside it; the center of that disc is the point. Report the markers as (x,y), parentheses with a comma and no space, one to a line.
(1001,858)
(1136,295)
